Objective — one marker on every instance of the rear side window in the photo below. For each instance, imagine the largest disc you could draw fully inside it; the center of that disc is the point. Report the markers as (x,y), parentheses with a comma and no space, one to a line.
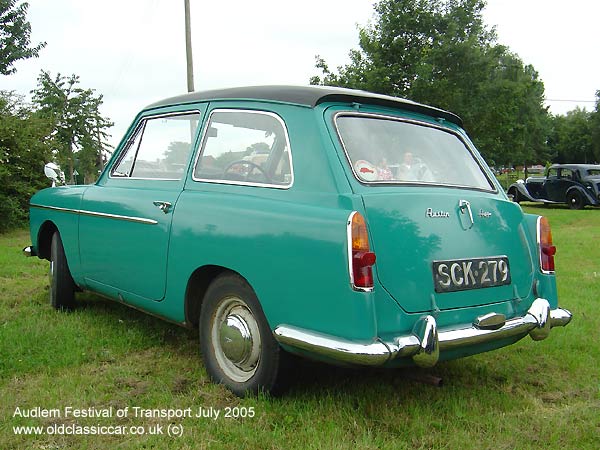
(384,150)
(159,149)
(567,174)
(245,147)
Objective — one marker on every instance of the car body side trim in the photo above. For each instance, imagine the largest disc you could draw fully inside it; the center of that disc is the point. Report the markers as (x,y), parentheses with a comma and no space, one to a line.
(84,212)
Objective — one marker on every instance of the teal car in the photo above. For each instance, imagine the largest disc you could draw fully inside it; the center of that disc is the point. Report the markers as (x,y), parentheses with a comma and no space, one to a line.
(334,224)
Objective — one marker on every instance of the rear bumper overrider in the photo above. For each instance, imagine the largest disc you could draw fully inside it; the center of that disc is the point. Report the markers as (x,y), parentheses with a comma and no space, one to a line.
(426,342)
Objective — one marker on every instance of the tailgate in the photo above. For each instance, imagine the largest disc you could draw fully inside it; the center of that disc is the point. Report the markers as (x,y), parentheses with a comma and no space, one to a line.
(479,256)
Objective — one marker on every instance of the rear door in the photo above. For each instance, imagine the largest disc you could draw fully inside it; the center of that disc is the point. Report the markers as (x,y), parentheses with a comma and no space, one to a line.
(557,186)
(444,236)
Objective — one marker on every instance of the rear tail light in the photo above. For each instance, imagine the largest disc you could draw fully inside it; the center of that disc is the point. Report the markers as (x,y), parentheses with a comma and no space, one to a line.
(359,253)
(547,250)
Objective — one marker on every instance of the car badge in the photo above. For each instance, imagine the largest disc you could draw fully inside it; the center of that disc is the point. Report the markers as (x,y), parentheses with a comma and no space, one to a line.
(437,214)
(484,214)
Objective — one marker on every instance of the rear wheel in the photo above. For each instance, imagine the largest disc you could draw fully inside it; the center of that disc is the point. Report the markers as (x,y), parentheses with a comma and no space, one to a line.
(575,200)
(236,341)
(62,286)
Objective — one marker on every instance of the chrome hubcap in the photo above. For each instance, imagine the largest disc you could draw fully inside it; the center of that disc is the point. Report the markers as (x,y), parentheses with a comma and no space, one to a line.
(236,339)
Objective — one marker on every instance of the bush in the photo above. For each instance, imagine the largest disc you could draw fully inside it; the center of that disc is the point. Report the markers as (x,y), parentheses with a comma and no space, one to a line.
(24,150)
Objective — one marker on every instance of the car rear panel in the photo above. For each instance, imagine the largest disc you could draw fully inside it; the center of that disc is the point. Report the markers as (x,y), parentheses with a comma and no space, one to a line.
(413,227)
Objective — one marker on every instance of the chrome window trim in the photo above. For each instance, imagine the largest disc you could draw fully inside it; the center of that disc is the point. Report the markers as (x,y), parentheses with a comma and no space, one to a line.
(493,188)
(539,248)
(243,183)
(349,256)
(140,128)
(84,212)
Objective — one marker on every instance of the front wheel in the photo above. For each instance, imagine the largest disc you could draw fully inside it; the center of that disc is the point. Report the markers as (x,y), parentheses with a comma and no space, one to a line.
(62,286)
(515,195)
(236,341)
(575,200)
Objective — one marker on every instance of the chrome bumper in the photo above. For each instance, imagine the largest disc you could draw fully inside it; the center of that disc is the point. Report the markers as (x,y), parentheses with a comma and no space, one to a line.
(426,342)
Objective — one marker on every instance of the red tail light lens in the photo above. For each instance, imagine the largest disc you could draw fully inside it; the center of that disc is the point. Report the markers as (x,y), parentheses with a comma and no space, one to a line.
(361,257)
(547,249)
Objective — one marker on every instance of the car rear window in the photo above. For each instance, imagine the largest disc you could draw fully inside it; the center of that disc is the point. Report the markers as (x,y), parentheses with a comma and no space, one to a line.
(384,150)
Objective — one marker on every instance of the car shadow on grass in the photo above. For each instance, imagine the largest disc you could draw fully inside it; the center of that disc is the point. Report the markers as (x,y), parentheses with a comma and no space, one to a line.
(305,378)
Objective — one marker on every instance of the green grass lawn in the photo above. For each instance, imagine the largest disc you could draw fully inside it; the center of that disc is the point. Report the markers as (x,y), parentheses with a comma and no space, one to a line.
(527,396)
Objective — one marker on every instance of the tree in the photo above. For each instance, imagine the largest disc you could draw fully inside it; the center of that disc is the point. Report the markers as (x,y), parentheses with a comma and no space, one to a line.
(571,137)
(24,149)
(15,31)
(441,53)
(80,131)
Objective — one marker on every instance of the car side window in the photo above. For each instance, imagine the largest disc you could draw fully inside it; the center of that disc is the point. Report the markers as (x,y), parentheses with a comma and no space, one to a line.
(553,173)
(567,174)
(245,147)
(159,149)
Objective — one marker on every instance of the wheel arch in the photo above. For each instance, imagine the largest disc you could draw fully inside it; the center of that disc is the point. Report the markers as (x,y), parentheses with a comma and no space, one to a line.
(44,239)
(196,288)
(587,199)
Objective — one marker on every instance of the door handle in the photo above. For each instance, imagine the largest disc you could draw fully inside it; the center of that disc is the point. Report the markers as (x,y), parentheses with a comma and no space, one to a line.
(465,206)
(163,206)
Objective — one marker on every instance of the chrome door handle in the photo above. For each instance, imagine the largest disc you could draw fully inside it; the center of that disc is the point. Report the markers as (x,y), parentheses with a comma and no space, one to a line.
(464,205)
(163,206)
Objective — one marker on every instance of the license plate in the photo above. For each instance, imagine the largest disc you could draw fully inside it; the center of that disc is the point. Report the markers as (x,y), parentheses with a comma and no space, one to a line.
(476,273)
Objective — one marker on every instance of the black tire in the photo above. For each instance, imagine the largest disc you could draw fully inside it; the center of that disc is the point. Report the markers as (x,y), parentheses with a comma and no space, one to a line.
(236,341)
(62,286)
(575,200)
(516,196)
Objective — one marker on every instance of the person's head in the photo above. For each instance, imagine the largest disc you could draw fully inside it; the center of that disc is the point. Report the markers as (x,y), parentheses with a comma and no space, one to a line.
(408,158)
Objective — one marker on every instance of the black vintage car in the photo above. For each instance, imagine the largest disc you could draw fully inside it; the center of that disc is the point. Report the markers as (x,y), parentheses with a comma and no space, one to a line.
(577,185)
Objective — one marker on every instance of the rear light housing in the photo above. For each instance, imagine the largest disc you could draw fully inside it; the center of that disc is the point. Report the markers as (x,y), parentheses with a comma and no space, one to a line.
(361,258)
(546,248)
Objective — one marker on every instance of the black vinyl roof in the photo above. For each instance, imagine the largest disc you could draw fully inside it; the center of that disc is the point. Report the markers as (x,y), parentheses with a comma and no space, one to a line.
(310,96)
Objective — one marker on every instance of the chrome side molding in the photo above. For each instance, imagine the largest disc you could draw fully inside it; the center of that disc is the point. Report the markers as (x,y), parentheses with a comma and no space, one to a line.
(426,341)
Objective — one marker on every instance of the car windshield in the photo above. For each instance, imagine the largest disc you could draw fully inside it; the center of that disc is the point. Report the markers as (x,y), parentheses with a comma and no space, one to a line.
(386,150)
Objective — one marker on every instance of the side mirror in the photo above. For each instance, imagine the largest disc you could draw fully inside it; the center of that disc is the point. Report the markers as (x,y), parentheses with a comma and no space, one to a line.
(53,172)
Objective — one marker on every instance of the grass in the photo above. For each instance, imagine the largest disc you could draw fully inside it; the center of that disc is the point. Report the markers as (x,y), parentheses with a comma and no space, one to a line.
(527,396)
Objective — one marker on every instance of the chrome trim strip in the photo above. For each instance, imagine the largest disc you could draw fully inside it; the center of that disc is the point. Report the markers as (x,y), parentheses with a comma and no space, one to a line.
(493,187)
(84,212)
(244,183)
(425,343)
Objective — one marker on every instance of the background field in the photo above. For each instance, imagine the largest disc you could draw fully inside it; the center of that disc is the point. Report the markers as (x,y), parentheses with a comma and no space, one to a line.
(530,395)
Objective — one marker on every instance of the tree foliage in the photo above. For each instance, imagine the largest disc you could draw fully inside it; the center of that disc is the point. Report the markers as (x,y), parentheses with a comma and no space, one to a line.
(15,31)
(440,52)
(24,149)
(80,130)
(571,137)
